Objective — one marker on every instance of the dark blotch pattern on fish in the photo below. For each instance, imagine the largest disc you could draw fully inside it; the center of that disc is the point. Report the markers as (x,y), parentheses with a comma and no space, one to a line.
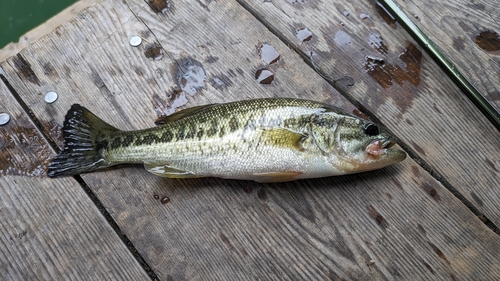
(116,143)
(167,136)
(127,140)
(101,145)
(233,124)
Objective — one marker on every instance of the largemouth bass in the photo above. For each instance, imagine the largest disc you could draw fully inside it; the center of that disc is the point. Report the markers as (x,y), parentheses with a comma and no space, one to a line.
(265,140)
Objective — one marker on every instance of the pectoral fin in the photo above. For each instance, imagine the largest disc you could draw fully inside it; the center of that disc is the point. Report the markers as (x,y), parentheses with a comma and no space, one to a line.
(276,176)
(282,137)
(164,170)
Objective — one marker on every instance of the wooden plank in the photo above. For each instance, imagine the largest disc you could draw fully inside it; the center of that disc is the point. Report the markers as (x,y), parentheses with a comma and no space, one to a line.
(397,223)
(50,229)
(468,33)
(402,87)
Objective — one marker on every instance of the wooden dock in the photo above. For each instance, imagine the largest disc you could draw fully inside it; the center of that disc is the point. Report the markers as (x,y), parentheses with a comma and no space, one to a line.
(435,216)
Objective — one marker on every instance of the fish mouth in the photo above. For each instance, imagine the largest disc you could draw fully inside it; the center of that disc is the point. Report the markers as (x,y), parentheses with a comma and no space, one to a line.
(387,143)
(381,147)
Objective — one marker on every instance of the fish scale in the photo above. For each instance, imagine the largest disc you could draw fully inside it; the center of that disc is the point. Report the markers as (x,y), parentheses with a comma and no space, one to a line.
(277,139)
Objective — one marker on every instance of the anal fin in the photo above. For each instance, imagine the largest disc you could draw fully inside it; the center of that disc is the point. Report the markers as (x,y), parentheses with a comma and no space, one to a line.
(276,176)
(167,171)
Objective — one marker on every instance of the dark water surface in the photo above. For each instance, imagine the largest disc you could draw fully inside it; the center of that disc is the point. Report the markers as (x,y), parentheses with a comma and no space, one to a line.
(20,16)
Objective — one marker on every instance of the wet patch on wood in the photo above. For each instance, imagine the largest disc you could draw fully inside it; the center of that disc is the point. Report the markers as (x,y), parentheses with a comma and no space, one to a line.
(154,52)
(418,148)
(385,14)
(421,229)
(24,70)
(439,252)
(226,241)
(160,6)
(431,191)
(477,199)
(386,73)
(54,130)
(360,114)
(397,183)
(189,75)
(429,267)
(262,194)
(458,44)
(50,71)
(488,40)
(220,81)
(493,165)
(379,219)
(375,40)
(23,152)
(164,107)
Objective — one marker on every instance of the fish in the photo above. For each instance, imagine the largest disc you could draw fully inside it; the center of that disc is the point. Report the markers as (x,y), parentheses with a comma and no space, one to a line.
(264,140)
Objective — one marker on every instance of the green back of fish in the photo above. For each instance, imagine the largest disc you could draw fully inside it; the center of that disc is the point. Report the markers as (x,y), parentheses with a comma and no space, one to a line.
(212,123)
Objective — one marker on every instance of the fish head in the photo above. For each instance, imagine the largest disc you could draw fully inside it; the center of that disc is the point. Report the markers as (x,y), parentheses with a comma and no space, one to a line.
(355,145)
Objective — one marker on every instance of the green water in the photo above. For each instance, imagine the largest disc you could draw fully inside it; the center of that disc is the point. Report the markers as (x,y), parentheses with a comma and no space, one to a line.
(20,16)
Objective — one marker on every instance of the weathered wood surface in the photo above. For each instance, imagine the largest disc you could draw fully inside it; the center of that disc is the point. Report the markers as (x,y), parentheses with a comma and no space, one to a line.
(398,223)
(401,85)
(50,229)
(468,33)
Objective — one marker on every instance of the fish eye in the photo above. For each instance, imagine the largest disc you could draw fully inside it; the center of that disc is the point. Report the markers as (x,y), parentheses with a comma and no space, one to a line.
(371,129)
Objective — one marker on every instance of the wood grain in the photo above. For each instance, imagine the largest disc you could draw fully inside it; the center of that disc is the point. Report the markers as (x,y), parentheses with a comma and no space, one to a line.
(402,87)
(50,229)
(396,223)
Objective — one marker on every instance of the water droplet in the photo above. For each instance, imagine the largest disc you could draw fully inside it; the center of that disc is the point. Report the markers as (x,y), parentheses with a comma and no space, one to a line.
(135,41)
(218,83)
(303,34)
(164,200)
(342,38)
(156,196)
(191,76)
(364,16)
(346,13)
(50,97)
(4,118)
(264,76)
(268,54)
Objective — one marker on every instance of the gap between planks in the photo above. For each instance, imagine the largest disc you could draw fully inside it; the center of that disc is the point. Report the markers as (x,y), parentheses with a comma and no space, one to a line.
(128,244)
(342,90)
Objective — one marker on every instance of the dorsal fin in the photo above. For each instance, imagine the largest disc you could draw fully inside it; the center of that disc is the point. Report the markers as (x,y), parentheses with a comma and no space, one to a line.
(181,114)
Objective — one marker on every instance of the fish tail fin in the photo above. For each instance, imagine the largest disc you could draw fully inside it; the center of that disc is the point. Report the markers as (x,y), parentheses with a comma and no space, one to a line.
(83,144)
